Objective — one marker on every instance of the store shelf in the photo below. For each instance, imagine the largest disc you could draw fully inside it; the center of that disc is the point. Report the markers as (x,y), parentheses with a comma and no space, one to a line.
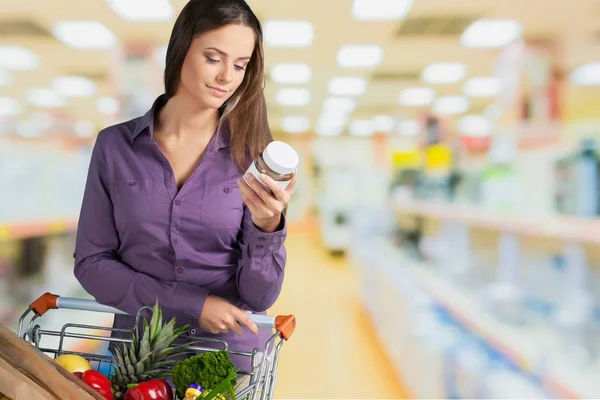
(526,347)
(583,230)
(21,230)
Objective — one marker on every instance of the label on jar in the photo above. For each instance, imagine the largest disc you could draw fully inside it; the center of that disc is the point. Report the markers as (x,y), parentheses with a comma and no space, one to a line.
(252,169)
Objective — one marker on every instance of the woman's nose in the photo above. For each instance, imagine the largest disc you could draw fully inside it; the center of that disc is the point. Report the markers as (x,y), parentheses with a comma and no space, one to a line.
(225,74)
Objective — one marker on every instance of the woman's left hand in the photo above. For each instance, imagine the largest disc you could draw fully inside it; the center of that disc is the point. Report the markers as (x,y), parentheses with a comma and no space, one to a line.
(265,207)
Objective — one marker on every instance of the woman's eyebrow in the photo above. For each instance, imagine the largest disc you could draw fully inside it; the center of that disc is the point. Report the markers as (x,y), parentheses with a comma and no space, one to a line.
(225,54)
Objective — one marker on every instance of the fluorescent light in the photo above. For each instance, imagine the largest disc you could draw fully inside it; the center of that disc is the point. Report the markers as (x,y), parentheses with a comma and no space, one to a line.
(339,105)
(295,124)
(5,77)
(474,125)
(347,86)
(450,105)
(491,33)
(18,58)
(293,96)
(384,123)
(360,56)
(44,98)
(331,124)
(325,129)
(288,33)
(84,34)
(333,119)
(142,10)
(587,75)
(361,127)
(482,87)
(73,86)
(369,10)
(108,105)
(409,127)
(290,73)
(160,55)
(84,128)
(416,96)
(444,73)
(9,106)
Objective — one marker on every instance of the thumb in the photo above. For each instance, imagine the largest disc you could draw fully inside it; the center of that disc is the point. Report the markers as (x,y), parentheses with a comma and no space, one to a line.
(244,319)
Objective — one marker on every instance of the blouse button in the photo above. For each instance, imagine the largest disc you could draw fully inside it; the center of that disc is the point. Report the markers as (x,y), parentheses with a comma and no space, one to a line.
(180,270)
(227,189)
(132,183)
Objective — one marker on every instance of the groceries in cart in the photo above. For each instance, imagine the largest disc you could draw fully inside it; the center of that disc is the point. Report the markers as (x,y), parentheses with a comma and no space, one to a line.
(152,363)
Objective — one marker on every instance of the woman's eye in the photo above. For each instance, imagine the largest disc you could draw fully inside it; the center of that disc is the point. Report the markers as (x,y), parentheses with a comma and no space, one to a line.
(211,60)
(239,67)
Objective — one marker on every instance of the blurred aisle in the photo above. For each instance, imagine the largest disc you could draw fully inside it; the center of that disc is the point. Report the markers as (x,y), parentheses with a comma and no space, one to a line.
(333,353)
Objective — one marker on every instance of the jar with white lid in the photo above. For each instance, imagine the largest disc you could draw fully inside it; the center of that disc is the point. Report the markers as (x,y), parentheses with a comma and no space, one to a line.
(279,161)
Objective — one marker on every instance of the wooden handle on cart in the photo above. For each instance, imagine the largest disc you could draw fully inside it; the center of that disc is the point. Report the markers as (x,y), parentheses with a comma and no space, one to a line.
(284,324)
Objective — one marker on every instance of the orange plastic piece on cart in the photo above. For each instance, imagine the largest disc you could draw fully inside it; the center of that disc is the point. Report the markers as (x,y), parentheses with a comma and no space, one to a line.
(45,302)
(285,324)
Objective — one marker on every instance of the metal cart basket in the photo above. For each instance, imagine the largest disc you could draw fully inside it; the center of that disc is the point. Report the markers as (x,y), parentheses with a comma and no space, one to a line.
(261,378)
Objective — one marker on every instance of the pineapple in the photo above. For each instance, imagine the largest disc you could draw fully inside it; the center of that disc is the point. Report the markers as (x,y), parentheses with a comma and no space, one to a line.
(145,358)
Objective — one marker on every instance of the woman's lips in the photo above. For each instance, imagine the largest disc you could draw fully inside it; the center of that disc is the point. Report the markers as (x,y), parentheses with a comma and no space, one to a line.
(216,91)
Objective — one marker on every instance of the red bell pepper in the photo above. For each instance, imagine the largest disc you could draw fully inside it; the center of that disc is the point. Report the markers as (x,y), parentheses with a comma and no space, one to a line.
(98,382)
(154,389)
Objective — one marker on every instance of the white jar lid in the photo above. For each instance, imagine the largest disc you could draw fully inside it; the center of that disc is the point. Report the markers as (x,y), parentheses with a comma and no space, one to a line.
(281,157)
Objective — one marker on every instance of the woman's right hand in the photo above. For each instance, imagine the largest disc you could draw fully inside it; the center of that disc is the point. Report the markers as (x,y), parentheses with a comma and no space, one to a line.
(220,316)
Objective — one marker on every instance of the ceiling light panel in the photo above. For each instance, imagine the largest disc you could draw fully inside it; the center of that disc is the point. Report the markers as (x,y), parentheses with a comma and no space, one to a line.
(347,86)
(451,105)
(293,96)
(339,105)
(90,35)
(381,10)
(18,58)
(587,75)
(9,106)
(73,86)
(293,34)
(482,87)
(491,33)
(291,73)
(365,56)
(45,98)
(361,127)
(416,96)
(295,124)
(444,73)
(142,10)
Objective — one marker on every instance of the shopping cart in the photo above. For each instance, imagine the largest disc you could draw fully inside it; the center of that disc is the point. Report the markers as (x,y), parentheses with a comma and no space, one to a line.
(261,378)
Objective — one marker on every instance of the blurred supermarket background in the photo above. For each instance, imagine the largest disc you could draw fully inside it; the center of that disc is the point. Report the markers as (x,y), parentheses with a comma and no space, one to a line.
(445,228)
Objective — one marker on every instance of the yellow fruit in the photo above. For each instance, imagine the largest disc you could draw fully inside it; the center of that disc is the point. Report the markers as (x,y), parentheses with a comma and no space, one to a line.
(73,363)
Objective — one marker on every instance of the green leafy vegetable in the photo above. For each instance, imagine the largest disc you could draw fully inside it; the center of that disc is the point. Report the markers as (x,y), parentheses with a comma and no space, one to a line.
(207,370)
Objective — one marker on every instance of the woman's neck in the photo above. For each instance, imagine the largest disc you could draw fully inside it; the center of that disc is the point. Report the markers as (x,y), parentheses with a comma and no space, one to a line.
(182,120)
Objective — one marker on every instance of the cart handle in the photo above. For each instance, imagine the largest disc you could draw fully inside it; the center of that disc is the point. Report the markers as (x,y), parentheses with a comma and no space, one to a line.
(284,324)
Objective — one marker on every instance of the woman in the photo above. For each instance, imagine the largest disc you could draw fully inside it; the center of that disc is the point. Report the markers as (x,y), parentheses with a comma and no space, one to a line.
(165,213)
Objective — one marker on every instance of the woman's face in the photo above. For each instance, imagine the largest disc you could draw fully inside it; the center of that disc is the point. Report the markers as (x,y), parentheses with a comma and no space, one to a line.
(215,64)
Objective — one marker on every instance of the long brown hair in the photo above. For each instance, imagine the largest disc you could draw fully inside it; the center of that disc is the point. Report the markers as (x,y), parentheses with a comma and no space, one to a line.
(245,112)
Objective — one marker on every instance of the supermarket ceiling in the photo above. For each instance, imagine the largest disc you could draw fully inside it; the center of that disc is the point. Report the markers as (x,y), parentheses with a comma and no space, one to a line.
(397,53)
